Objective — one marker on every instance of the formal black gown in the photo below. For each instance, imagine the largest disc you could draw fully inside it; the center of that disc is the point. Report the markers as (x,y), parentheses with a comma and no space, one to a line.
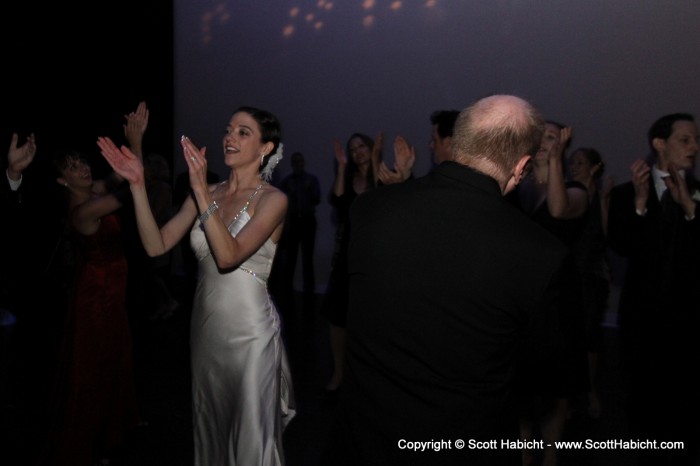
(335,304)
(554,362)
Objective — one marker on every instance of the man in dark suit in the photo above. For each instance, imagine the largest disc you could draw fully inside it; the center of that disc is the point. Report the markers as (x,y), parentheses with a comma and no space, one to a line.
(444,276)
(653,223)
(304,193)
(31,280)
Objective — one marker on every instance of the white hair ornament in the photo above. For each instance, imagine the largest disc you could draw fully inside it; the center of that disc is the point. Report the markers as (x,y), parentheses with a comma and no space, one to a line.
(266,173)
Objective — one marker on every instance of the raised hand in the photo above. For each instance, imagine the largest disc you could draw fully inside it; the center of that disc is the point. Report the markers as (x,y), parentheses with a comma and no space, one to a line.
(196,163)
(388,176)
(557,150)
(340,156)
(19,157)
(404,157)
(135,127)
(565,135)
(640,181)
(678,188)
(122,160)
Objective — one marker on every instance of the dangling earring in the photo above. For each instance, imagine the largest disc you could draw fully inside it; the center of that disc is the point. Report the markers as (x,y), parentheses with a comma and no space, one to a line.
(262,159)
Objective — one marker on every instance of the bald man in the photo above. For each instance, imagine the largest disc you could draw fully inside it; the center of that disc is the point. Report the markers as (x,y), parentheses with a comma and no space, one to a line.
(444,276)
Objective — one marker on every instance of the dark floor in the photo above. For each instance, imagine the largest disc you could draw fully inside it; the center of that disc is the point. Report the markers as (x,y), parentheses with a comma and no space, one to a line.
(163,375)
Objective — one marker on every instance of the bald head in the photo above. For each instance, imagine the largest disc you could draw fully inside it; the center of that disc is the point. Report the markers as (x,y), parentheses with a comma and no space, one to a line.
(495,133)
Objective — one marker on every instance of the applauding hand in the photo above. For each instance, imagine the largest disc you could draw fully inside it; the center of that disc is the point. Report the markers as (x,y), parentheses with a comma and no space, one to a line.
(19,157)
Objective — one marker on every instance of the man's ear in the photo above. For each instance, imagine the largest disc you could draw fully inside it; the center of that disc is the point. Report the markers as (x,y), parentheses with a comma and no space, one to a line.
(520,171)
(522,168)
(62,181)
(658,144)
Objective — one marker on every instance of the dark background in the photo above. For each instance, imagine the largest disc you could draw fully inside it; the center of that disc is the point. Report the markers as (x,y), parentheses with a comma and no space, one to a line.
(71,72)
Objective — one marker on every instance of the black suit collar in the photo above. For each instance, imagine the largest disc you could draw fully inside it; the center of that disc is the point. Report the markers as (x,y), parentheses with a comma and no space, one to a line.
(464,174)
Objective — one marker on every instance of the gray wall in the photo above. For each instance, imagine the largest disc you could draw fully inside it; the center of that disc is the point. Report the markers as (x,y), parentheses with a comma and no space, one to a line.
(607,68)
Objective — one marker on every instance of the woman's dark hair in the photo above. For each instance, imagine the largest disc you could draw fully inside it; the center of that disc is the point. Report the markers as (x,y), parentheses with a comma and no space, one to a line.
(270,128)
(594,158)
(63,158)
(352,166)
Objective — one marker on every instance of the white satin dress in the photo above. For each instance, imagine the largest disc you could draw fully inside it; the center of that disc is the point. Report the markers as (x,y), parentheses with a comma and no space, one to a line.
(241,384)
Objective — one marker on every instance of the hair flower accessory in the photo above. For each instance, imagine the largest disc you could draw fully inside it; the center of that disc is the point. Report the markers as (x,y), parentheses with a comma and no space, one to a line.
(696,195)
(275,158)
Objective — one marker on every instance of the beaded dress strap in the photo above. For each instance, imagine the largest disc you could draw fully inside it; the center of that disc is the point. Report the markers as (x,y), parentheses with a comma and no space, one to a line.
(245,207)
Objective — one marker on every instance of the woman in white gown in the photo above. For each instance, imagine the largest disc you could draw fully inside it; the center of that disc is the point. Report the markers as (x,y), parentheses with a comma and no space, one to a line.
(241,386)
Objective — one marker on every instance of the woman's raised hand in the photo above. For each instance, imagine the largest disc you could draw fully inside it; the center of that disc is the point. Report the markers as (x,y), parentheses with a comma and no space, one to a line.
(196,162)
(135,127)
(340,156)
(124,162)
(404,157)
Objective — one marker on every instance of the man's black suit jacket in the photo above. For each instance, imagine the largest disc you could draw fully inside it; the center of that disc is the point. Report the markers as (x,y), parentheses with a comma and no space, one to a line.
(28,238)
(662,249)
(444,276)
(659,318)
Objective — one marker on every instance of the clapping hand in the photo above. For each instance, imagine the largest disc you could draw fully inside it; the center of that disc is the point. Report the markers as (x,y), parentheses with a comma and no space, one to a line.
(19,157)
(122,160)
(388,176)
(135,127)
(557,150)
(640,180)
(678,188)
(404,158)
(196,163)
(340,156)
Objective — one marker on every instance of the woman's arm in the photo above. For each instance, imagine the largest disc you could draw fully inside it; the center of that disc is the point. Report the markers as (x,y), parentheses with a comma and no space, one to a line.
(563,202)
(604,195)
(156,241)
(266,221)
(342,163)
(376,157)
(266,215)
(85,217)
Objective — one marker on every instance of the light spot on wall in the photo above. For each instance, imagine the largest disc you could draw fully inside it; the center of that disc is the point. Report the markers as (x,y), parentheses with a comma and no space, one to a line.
(396,5)
(315,15)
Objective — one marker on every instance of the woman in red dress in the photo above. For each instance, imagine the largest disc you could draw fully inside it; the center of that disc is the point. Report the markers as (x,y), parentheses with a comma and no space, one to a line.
(95,397)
